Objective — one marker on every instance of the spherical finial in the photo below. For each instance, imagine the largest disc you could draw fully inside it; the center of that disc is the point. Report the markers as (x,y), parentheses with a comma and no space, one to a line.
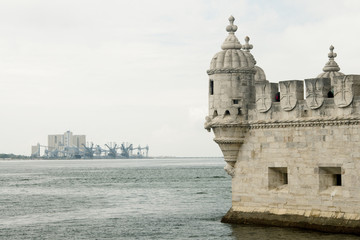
(331,65)
(231,28)
(331,54)
(246,47)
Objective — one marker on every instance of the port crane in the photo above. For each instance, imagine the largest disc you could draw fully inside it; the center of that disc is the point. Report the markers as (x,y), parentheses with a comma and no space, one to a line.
(111,150)
(89,151)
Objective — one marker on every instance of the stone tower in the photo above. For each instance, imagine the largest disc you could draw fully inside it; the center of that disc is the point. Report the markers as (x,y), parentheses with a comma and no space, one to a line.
(232,78)
(293,161)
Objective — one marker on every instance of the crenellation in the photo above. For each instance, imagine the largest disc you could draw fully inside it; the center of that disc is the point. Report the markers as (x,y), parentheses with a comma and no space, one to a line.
(317,89)
(290,92)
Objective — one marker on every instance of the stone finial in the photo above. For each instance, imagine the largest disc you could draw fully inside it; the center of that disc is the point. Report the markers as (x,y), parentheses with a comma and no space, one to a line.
(231,42)
(246,47)
(231,28)
(331,54)
(331,65)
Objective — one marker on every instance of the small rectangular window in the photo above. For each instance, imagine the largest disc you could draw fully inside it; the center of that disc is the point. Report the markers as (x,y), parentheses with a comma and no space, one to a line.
(277,177)
(211,87)
(329,176)
(285,177)
(338,179)
(235,101)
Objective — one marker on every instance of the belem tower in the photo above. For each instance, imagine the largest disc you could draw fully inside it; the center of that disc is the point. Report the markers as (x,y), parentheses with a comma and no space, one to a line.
(294,161)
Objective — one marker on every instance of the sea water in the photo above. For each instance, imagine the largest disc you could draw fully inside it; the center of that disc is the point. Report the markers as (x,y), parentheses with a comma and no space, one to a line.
(180,198)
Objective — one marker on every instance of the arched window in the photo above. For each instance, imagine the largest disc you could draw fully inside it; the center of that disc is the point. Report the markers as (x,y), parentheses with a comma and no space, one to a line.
(227,113)
(215,114)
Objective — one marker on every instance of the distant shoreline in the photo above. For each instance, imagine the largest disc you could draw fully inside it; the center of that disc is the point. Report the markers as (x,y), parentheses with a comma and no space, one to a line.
(21,157)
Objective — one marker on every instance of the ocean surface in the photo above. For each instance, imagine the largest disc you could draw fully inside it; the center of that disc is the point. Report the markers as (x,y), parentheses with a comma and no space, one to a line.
(182,198)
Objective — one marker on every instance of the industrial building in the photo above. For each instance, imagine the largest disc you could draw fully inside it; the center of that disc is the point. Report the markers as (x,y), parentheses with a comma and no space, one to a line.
(66,141)
(71,146)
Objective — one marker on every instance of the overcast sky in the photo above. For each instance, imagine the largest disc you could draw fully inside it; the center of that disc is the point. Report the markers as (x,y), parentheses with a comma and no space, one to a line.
(135,71)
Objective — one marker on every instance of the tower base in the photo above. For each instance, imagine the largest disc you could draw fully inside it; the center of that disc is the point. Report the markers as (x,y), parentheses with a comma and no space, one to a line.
(284,218)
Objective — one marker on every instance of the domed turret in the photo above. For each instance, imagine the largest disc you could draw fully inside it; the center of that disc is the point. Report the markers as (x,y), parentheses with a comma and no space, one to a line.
(331,68)
(232,57)
(232,77)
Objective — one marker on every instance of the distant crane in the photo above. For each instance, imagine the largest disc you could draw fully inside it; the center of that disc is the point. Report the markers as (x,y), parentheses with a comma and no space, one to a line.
(112,151)
(89,151)
(125,151)
(98,150)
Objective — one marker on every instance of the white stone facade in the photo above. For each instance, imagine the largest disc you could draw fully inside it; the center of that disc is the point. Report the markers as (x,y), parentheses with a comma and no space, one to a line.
(293,161)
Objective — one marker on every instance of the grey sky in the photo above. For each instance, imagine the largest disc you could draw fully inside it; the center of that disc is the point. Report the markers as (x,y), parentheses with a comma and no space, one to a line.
(135,71)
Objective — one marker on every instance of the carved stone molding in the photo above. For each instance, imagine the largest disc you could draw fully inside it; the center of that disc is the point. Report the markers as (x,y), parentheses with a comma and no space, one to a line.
(228,140)
(306,123)
(231,70)
(230,170)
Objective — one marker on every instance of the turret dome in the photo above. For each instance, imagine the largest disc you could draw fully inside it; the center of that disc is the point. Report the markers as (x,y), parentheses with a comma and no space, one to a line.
(331,68)
(259,75)
(232,57)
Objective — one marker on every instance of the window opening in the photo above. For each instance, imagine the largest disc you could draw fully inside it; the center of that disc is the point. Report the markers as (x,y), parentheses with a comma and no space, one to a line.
(239,111)
(211,87)
(277,177)
(330,94)
(277,97)
(338,180)
(329,176)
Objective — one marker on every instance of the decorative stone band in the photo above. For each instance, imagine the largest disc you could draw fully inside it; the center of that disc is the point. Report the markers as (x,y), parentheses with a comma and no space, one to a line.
(231,70)
(307,122)
(228,140)
(304,122)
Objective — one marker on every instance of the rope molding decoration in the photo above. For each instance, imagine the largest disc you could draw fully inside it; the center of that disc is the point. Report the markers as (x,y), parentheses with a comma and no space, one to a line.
(334,121)
(229,140)
(230,70)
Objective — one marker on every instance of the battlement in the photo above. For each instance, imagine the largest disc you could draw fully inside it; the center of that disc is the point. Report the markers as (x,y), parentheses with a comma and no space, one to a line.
(284,101)
(323,99)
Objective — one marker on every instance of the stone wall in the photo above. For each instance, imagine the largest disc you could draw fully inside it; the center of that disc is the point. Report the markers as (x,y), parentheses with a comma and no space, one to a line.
(301,171)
